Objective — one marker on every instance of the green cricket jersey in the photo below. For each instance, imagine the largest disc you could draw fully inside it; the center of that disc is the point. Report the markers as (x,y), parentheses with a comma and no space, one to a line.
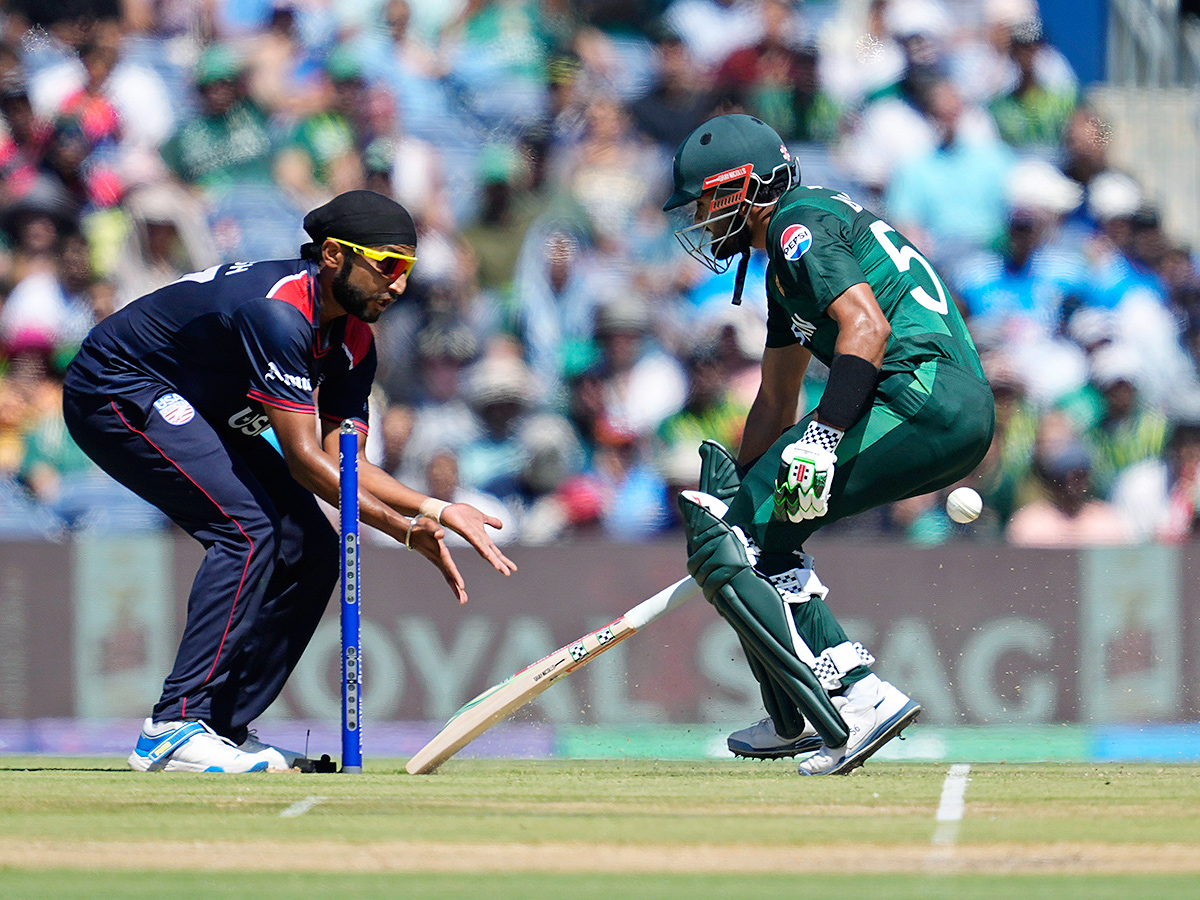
(821,242)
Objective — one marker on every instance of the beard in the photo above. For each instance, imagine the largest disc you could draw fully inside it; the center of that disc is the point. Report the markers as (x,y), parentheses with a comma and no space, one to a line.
(735,240)
(353,300)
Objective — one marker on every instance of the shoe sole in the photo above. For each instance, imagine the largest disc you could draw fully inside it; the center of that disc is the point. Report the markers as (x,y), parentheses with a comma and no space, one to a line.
(804,745)
(138,763)
(176,766)
(883,733)
(188,767)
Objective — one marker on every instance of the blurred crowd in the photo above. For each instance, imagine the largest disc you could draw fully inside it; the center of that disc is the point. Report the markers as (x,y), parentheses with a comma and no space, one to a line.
(558,358)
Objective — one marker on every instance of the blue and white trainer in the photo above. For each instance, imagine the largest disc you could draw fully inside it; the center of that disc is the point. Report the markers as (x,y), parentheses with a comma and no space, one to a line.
(190,747)
(762,741)
(277,757)
(875,712)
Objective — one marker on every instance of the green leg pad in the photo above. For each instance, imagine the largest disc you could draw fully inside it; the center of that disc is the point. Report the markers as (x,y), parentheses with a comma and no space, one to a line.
(789,722)
(743,603)
(719,472)
(718,561)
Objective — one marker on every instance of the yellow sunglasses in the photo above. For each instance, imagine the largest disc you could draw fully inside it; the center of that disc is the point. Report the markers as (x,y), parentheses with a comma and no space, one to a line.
(392,265)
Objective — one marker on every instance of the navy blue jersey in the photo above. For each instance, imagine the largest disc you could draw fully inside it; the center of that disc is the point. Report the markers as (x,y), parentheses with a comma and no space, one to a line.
(231,340)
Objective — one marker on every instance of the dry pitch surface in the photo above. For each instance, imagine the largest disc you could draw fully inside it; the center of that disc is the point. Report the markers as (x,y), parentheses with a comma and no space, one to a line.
(87,828)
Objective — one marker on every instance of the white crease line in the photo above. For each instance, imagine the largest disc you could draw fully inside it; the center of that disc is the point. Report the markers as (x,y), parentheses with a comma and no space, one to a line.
(300,807)
(950,809)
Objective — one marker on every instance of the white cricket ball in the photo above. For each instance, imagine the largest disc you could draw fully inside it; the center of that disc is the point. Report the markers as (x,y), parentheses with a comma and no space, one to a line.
(964,505)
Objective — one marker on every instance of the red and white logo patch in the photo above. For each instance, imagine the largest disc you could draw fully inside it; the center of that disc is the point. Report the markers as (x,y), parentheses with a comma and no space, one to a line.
(729,191)
(801,474)
(795,241)
(175,409)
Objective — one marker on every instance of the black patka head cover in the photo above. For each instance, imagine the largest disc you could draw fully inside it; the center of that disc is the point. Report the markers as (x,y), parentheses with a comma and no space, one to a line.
(362,217)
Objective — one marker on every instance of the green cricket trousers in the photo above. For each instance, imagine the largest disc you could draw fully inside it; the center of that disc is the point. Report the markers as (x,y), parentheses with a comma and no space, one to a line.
(925,430)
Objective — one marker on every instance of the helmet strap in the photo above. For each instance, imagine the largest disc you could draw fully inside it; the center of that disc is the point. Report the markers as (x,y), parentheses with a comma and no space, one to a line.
(739,280)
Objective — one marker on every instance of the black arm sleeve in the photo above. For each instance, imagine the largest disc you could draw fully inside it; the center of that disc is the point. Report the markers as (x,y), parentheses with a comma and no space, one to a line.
(850,388)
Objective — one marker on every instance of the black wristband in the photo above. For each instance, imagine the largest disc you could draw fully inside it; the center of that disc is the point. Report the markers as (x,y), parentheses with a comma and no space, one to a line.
(850,388)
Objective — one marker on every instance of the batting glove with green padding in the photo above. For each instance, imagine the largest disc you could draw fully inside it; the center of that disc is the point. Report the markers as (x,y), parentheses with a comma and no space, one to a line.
(803,483)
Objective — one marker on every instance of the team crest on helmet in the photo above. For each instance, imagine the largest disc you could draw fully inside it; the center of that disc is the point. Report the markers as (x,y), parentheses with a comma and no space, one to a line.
(784,150)
(795,241)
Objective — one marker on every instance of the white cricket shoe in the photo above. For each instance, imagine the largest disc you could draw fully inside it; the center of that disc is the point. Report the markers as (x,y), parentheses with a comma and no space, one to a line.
(875,712)
(278,757)
(190,747)
(762,741)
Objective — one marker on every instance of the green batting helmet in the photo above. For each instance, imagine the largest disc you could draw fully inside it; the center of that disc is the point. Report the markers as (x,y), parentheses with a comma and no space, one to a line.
(716,152)
(744,163)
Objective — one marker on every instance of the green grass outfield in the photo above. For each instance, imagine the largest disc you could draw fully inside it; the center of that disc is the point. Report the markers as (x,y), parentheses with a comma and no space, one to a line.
(664,830)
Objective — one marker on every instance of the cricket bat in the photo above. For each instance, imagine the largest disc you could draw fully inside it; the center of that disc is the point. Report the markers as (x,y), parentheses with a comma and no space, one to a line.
(499,701)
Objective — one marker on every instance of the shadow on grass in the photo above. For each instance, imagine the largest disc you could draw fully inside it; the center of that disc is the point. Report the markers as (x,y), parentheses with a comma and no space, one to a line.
(62,769)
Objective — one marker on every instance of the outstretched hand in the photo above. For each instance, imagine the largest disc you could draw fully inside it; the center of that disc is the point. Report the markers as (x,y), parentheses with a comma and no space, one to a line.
(427,538)
(469,522)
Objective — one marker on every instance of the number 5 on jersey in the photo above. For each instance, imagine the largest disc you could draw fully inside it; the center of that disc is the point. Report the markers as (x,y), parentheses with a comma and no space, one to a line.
(904,257)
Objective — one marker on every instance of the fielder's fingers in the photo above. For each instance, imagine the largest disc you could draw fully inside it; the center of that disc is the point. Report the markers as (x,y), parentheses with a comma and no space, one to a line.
(456,585)
(486,548)
(502,563)
(435,551)
(422,525)
(453,578)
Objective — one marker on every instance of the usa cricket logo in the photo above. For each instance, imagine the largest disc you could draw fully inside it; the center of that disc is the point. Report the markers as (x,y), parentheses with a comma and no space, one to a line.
(175,409)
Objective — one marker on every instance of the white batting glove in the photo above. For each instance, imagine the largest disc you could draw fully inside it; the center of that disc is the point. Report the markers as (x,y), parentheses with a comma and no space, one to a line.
(806,475)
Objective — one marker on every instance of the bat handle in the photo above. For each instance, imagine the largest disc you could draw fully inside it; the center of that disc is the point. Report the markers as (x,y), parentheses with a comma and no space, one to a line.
(666,599)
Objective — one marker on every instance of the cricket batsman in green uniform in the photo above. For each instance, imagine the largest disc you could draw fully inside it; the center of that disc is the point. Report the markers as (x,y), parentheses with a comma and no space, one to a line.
(906,411)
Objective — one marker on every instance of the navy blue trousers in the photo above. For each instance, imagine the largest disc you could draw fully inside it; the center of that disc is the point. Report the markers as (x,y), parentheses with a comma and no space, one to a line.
(271,561)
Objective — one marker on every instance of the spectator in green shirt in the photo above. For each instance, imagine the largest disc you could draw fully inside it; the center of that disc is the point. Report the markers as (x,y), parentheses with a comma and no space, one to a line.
(710,411)
(1128,430)
(229,142)
(1033,113)
(322,153)
(778,80)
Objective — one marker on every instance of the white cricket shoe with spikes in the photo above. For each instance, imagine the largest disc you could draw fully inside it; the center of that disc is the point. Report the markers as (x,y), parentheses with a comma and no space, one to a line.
(875,712)
(762,741)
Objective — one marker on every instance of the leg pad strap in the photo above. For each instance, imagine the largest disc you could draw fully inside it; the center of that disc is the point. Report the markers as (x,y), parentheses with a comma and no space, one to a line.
(800,584)
(836,662)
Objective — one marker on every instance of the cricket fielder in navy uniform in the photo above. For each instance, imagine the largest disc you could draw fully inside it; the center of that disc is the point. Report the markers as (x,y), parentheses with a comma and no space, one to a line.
(906,411)
(171,396)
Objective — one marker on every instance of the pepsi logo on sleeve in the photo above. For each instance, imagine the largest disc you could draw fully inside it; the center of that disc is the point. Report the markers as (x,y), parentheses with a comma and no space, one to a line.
(795,241)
